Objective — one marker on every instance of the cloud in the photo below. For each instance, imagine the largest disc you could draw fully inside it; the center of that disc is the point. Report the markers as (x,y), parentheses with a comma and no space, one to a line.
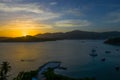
(9,11)
(53,3)
(20,7)
(72,23)
(8,1)
(25,24)
(113,17)
(74,12)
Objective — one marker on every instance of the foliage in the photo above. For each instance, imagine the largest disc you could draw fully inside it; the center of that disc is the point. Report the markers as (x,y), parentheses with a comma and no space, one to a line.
(26,75)
(49,74)
(4,69)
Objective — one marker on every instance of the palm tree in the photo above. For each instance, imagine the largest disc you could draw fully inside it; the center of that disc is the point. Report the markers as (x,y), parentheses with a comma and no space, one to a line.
(4,69)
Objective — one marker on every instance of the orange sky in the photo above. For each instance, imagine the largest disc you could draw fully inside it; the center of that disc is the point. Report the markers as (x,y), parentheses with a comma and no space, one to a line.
(18,28)
(17,33)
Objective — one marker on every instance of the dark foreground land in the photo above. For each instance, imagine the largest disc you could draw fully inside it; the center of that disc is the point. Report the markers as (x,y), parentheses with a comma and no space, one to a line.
(113,41)
(49,74)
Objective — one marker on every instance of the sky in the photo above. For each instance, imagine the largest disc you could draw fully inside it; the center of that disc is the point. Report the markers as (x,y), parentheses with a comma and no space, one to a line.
(30,17)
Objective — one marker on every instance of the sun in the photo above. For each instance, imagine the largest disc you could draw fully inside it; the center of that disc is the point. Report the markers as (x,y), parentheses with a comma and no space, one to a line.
(25,34)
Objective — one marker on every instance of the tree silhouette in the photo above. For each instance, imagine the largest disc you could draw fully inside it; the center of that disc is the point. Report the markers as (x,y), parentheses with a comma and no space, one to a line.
(4,69)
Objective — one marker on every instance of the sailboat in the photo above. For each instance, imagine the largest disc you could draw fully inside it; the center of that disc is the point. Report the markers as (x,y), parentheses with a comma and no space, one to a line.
(93,54)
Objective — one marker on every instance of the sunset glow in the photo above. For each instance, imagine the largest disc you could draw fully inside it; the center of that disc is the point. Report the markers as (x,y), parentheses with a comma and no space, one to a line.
(18,33)
(18,28)
(31,17)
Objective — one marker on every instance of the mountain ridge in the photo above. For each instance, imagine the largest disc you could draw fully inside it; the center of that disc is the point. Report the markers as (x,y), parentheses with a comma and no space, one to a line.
(77,34)
(71,35)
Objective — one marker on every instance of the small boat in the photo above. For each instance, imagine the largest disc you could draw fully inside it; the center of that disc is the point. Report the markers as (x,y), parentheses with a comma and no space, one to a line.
(117,68)
(27,60)
(22,60)
(117,49)
(93,50)
(103,59)
(107,52)
(93,54)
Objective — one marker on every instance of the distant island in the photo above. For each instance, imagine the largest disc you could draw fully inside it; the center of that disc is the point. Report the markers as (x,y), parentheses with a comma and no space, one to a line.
(113,41)
(71,35)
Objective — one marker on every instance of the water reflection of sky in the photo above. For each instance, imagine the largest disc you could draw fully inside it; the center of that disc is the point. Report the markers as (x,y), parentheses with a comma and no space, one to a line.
(74,54)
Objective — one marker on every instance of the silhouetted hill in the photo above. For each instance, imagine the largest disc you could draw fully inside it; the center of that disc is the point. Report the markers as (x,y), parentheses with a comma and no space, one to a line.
(26,39)
(76,34)
(3,38)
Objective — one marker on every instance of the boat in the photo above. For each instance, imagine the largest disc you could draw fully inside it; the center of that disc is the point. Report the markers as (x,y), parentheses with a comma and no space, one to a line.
(93,50)
(27,60)
(103,59)
(117,68)
(93,54)
(107,52)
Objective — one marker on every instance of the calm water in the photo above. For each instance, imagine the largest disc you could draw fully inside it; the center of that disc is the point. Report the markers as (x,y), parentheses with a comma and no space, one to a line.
(73,53)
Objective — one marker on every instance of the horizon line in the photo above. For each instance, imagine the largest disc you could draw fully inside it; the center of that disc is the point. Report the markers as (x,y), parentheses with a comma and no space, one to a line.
(61,32)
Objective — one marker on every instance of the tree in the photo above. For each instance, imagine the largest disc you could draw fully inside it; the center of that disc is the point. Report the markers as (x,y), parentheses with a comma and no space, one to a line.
(4,69)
